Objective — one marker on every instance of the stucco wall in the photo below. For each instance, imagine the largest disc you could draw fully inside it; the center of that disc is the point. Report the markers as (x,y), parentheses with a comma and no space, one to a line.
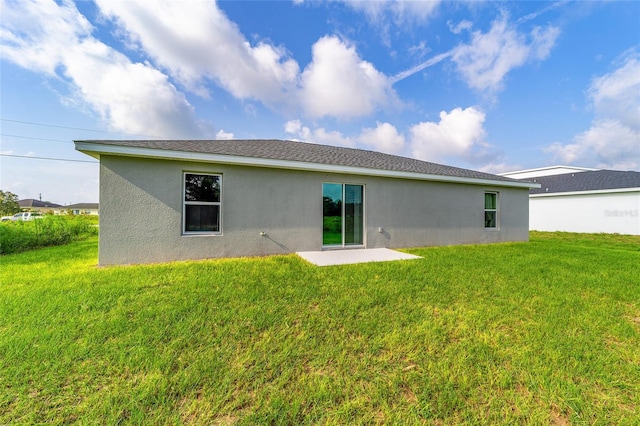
(594,213)
(141,212)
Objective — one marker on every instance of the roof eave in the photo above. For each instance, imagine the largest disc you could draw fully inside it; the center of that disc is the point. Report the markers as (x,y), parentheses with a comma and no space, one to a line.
(541,169)
(95,150)
(590,192)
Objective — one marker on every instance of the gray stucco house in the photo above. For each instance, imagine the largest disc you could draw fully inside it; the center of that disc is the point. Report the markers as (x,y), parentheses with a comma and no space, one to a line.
(195,199)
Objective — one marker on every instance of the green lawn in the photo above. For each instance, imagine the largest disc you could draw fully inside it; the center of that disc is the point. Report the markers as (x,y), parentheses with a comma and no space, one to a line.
(546,332)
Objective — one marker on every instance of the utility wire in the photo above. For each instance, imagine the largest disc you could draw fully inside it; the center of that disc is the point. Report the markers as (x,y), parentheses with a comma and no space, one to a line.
(78,128)
(49,158)
(38,139)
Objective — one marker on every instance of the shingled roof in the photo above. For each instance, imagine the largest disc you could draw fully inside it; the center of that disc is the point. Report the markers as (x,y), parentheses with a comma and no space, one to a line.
(287,151)
(32,203)
(83,206)
(586,181)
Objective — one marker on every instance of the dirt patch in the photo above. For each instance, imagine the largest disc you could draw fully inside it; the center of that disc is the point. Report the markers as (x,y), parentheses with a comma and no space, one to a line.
(409,395)
(558,417)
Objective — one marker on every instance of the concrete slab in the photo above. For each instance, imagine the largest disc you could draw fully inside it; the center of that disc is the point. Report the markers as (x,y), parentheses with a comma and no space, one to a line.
(349,256)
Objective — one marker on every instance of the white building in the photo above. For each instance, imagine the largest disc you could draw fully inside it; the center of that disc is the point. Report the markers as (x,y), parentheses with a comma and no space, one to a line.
(578,199)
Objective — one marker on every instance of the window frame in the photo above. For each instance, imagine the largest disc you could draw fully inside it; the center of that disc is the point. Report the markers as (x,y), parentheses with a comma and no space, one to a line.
(495,210)
(186,203)
(343,244)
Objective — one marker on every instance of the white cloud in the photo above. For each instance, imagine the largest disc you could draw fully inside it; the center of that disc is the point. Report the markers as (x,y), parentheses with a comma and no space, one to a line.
(195,41)
(486,60)
(542,41)
(607,144)
(390,16)
(613,140)
(293,127)
(133,98)
(35,34)
(318,135)
(457,134)
(222,135)
(499,166)
(384,138)
(419,50)
(400,11)
(339,83)
(463,25)
(335,138)
(617,94)
(45,37)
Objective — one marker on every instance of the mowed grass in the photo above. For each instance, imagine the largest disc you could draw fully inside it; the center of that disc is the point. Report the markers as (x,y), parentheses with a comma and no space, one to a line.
(546,332)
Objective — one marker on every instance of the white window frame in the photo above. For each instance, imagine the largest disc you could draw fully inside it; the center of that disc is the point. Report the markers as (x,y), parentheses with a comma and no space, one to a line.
(185,203)
(496,210)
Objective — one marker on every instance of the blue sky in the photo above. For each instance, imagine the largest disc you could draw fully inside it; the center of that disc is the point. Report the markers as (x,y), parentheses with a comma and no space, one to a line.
(491,86)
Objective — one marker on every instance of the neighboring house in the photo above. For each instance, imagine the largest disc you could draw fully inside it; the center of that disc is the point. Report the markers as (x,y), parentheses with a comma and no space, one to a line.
(37,205)
(546,171)
(574,199)
(83,208)
(176,200)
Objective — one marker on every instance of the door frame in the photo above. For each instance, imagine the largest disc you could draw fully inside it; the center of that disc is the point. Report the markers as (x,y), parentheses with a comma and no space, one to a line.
(342,245)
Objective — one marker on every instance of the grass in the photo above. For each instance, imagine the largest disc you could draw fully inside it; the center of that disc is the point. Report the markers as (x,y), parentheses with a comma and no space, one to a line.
(546,332)
(20,236)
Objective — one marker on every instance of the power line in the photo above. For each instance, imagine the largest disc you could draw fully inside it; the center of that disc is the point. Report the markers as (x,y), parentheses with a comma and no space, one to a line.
(31,123)
(37,139)
(49,158)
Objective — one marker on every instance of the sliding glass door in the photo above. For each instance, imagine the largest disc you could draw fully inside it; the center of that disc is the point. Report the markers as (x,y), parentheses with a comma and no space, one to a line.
(343,214)
(353,215)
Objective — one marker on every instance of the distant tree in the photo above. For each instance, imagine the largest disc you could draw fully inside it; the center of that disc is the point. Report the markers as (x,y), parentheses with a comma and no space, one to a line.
(8,203)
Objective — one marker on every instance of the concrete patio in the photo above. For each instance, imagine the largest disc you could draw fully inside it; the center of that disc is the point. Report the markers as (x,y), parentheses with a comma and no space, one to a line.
(345,257)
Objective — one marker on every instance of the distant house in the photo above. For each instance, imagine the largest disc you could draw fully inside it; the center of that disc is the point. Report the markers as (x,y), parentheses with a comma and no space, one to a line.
(575,199)
(36,205)
(185,199)
(83,208)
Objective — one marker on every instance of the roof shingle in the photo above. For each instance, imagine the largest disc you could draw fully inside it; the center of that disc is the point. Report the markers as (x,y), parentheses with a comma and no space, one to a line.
(586,181)
(84,206)
(305,152)
(32,203)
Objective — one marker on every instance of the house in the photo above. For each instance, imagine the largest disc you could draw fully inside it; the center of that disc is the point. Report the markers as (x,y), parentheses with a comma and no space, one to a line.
(30,204)
(194,199)
(576,199)
(545,171)
(83,208)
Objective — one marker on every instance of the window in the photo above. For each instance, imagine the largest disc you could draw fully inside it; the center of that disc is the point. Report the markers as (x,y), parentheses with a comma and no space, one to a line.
(201,207)
(490,209)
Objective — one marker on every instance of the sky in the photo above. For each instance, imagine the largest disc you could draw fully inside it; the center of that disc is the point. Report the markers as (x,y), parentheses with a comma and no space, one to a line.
(484,85)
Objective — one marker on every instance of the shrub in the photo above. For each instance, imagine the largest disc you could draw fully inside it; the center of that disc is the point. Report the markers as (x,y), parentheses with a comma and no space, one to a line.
(49,231)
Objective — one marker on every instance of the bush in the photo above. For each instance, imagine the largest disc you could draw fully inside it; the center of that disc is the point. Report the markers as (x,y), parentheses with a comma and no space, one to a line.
(49,231)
